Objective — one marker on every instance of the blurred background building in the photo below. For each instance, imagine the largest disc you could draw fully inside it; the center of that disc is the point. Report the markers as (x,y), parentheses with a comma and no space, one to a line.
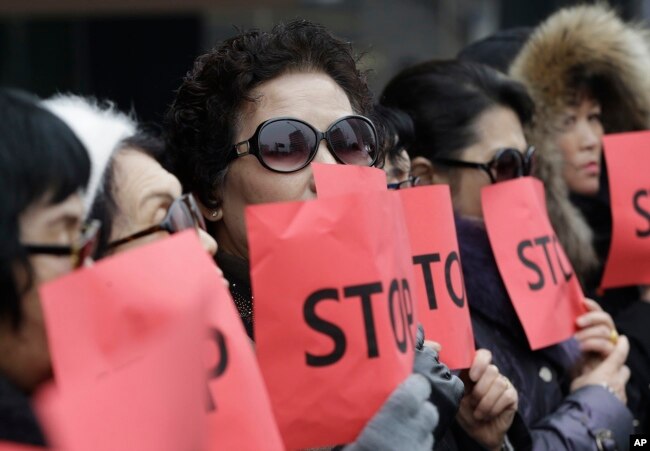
(135,52)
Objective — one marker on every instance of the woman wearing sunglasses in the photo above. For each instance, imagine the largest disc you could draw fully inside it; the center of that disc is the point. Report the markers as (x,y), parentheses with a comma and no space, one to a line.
(469,133)
(130,193)
(43,170)
(246,123)
(147,199)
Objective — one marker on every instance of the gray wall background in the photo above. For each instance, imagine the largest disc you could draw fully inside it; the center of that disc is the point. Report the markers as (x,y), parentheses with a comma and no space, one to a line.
(136,51)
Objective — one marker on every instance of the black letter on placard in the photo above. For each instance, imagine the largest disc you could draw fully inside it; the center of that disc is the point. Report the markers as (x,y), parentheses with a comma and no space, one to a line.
(567,275)
(408,306)
(392,293)
(426,260)
(324,327)
(458,300)
(543,241)
(221,365)
(530,264)
(639,209)
(365,292)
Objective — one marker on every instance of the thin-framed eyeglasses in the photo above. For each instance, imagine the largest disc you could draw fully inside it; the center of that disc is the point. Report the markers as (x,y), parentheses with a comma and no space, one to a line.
(410,182)
(183,213)
(286,144)
(507,164)
(79,251)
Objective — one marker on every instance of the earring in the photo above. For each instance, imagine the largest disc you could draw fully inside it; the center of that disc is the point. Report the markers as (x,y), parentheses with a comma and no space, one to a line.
(214,213)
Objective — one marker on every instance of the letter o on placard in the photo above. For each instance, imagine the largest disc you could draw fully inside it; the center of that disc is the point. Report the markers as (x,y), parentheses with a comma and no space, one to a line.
(392,292)
(457,299)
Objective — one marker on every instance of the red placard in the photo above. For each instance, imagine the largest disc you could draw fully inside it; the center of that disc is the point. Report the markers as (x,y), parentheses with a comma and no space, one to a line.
(334,315)
(153,403)
(8,446)
(628,169)
(535,270)
(240,415)
(440,292)
(442,304)
(103,319)
(340,179)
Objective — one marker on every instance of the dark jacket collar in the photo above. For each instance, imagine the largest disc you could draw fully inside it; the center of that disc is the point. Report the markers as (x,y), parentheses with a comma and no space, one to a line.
(17,420)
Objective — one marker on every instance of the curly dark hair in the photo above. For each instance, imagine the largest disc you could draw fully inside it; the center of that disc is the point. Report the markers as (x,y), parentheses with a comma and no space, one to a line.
(201,123)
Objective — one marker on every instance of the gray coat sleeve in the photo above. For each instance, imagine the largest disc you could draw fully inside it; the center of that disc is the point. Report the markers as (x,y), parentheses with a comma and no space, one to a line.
(591,418)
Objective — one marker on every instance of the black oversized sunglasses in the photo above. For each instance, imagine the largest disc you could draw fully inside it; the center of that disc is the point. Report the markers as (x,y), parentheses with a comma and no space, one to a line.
(286,144)
(507,164)
(79,251)
(183,213)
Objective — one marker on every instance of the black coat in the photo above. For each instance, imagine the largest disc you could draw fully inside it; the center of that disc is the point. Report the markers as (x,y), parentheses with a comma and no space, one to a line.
(17,420)
(557,419)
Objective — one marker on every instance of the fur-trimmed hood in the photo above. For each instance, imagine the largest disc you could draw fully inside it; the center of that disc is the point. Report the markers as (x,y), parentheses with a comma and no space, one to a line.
(588,42)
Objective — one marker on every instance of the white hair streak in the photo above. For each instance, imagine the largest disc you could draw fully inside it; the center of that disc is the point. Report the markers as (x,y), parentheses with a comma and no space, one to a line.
(100,127)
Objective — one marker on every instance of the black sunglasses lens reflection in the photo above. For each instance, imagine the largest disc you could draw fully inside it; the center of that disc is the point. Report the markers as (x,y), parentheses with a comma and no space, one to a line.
(508,165)
(353,141)
(180,216)
(196,212)
(286,145)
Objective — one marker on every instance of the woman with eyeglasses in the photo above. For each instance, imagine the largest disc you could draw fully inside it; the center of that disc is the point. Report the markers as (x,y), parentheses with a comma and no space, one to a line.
(147,199)
(135,198)
(43,171)
(246,123)
(469,133)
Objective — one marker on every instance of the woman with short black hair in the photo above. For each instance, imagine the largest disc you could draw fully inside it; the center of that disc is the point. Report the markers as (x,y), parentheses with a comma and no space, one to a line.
(469,133)
(43,170)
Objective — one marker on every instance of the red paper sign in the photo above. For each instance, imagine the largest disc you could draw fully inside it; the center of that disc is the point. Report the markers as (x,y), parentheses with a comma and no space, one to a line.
(155,403)
(442,304)
(103,320)
(334,311)
(442,308)
(7,446)
(340,179)
(535,270)
(628,168)
(240,410)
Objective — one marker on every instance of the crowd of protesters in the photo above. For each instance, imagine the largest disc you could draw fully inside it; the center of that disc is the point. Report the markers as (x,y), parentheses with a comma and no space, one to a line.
(82,182)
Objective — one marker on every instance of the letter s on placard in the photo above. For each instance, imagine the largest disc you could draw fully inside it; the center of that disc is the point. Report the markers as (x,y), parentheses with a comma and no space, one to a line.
(642,212)
(530,264)
(324,327)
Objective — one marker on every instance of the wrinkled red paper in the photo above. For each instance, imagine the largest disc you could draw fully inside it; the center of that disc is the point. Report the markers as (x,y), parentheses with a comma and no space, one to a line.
(334,324)
(130,345)
(442,302)
(240,415)
(628,169)
(442,307)
(535,270)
